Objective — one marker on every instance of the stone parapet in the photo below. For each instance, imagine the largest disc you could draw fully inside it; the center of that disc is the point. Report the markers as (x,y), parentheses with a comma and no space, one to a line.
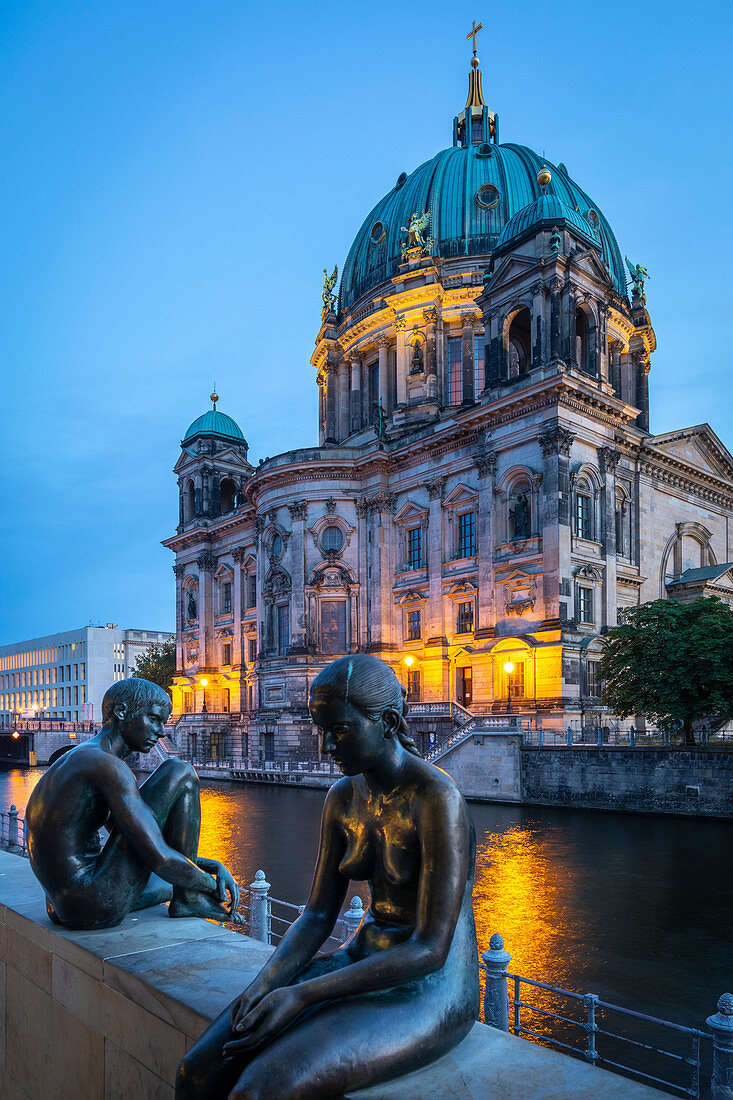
(109,1014)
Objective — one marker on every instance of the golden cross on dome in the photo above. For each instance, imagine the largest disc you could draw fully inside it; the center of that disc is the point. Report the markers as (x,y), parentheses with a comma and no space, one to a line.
(473,32)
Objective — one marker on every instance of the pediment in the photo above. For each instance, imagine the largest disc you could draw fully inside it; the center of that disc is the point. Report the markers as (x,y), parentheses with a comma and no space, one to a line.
(410,510)
(512,266)
(698,447)
(462,494)
(588,260)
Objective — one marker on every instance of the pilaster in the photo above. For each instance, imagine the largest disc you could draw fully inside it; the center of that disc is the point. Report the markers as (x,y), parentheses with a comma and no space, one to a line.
(555,442)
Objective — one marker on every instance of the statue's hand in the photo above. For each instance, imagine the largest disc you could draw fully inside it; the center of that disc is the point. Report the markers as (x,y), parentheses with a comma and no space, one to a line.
(273,1013)
(225,884)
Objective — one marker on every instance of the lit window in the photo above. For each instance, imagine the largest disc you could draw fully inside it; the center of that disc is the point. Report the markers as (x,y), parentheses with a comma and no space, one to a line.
(332,540)
(585,604)
(516,681)
(465,617)
(414,548)
(583,527)
(413,686)
(467,534)
(333,626)
(413,626)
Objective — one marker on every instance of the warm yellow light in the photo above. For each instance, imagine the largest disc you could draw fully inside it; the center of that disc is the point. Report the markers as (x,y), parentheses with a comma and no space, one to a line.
(204,683)
(409,660)
(16,735)
(509,667)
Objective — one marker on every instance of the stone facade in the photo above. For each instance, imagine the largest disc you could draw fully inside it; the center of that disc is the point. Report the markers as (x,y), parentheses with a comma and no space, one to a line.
(485,496)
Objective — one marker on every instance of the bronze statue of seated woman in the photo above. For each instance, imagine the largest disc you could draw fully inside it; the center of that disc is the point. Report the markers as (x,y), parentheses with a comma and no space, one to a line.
(151,854)
(403,990)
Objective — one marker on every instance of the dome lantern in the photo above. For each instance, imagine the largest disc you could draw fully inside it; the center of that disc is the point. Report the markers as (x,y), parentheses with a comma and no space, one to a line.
(476,124)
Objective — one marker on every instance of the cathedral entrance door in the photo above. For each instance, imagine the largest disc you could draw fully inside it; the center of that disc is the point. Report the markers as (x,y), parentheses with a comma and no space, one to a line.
(464,686)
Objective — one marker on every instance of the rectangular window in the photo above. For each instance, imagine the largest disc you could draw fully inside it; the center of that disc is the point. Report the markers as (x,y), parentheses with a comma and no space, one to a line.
(373,370)
(467,535)
(227,653)
(413,686)
(413,626)
(465,617)
(226,598)
(454,369)
(592,683)
(414,548)
(333,626)
(283,628)
(479,367)
(252,650)
(516,681)
(585,604)
(252,590)
(583,527)
(187,704)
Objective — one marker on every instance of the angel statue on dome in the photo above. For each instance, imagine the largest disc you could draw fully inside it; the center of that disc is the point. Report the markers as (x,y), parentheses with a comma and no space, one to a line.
(638,275)
(415,230)
(329,282)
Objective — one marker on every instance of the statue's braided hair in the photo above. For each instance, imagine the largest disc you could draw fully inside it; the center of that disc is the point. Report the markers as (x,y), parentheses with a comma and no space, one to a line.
(371,686)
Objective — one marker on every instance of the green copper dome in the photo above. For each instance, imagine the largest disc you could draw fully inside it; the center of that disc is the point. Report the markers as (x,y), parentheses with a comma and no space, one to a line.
(217,424)
(471,191)
(544,213)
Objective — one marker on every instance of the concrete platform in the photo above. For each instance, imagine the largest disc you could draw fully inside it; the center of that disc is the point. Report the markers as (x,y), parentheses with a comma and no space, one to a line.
(108,1015)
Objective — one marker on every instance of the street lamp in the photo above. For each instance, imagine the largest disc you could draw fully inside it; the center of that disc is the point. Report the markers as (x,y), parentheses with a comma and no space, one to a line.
(204,684)
(409,660)
(509,669)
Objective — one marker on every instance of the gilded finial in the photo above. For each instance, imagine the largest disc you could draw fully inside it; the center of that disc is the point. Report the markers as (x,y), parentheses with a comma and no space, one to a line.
(475,92)
(214,397)
(544,176)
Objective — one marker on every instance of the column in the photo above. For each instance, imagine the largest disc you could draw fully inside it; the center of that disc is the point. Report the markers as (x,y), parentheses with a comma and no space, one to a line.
(614,368)
(434,626)
(238,658)
(296,554)
(602,350)
(485,461)
(383,344)
(402,360)
(379,569)
(355,392)
(642,389)
(467,335)
(430,316)
(206,563)
(555,442)
(331,382)
(344,410)
(555,319)
(179,571)
(608,460)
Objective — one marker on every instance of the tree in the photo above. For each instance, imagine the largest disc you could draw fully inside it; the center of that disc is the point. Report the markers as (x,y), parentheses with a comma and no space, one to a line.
(672,662)
(157,663)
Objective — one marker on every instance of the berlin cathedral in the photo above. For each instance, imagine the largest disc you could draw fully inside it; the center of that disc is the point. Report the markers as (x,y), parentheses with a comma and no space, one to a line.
(486,494)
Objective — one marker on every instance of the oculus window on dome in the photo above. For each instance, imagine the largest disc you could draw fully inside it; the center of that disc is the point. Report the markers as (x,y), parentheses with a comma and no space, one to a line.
(488,196)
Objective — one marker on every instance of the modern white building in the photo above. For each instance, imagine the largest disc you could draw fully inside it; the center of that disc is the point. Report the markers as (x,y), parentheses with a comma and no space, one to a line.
(65,675)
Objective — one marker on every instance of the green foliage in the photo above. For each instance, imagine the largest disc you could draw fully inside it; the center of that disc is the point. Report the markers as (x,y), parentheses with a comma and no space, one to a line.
(157,663)
(672,662)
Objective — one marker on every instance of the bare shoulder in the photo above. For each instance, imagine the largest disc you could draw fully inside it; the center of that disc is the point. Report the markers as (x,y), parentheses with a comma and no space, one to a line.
(97,766)
(440,793)
(339,796)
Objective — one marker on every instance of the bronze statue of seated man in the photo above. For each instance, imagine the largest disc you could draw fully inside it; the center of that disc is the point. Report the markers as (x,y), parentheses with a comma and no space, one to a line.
(153,829)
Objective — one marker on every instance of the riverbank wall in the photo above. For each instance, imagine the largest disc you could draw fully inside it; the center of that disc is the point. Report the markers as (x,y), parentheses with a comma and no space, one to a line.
(687,782)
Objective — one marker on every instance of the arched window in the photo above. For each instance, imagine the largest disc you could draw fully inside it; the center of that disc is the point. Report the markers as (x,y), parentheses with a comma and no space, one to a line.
(227,494)
(189,501)
(520,343)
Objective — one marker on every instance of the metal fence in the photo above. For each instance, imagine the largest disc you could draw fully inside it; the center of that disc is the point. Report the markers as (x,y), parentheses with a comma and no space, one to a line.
(605,735)
(12,832)
(263,767)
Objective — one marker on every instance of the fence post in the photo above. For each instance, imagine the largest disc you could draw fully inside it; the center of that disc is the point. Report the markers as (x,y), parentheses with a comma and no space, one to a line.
(496,996)
(721,1025)
(353,916)
(13,828)
(590,1001)
(258,908)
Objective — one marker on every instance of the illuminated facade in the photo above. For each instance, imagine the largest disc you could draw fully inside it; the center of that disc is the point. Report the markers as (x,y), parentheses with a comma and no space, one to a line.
(486,493)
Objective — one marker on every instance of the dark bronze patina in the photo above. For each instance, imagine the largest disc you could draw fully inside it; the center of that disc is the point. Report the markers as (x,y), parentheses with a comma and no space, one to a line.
(153,830)
(403,990)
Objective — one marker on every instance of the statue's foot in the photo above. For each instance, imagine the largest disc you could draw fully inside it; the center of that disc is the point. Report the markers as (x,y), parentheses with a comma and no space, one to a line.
(193,904)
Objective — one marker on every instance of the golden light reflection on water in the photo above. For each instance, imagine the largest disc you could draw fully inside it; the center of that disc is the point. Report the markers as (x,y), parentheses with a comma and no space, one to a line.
(520,892)
(17,784)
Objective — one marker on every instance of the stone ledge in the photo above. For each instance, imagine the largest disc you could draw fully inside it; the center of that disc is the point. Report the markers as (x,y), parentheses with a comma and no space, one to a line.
(108,1014)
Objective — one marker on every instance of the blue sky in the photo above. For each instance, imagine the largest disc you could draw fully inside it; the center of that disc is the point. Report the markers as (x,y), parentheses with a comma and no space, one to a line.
(176,175)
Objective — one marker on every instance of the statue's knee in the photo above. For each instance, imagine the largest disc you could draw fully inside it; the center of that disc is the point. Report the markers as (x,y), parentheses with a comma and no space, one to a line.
(181,773)
(186,1084)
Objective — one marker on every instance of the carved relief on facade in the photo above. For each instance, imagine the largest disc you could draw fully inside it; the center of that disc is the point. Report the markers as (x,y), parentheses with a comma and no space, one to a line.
(206,562)
(520,592)
(555,440)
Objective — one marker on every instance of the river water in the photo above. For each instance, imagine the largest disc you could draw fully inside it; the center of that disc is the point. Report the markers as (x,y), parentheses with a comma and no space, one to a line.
(634,908)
